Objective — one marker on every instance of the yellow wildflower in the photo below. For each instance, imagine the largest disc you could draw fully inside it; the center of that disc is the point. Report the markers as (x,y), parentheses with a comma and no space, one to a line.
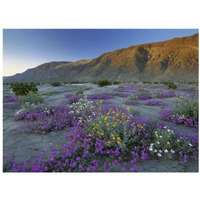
(98,132)
(105,118)
(118,142)
(108,142)
(113,138)
(107,124)
(127,108)
(118,138)
(102,133)
(112,135)
(89,135)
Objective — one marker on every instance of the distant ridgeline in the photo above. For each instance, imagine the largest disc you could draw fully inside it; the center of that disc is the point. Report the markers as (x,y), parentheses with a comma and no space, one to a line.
(173,60)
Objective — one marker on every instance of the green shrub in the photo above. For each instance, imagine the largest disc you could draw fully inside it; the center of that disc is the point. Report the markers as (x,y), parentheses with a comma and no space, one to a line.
(55,84)
(172,85)
(79,92)
(132,97)
(135,112)
(166,144)
(156,82)
(87,88)
(147,82)
(116,82)
(32,97)
(102,83)
(20,88)
(153,96)
(188,108)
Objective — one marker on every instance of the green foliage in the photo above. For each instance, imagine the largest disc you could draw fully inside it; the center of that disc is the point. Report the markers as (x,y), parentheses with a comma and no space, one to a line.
(27,107)
(102,83)
(188,108)
(114,134)
(135,82)
(147,82)
(86,88)
(166,143)
(156,82)
(20,88)
(32,98)
(50,93)
(79,92)
(153,96)
(136,112)
(172,85)
(132,97)
(55,84)
(116,82)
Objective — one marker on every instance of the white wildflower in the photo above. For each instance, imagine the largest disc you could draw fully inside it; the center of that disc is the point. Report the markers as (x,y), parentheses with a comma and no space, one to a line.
(165,150)
(172,151)
(158,142)
(190,145)
(159,155)
(150,149)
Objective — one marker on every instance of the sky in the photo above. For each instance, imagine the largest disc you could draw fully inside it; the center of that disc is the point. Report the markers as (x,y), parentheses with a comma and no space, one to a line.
(28,48)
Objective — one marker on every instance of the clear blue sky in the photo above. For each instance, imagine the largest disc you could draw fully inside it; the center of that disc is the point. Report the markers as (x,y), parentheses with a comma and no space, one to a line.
(28,48)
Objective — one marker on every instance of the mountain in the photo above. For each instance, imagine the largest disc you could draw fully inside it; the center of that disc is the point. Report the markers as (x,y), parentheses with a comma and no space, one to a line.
(172,60)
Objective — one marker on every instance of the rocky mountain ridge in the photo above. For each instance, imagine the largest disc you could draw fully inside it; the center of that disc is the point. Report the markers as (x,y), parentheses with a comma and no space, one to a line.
(172,60)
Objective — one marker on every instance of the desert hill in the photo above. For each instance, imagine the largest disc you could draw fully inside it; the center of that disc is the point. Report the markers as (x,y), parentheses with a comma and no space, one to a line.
(175,60)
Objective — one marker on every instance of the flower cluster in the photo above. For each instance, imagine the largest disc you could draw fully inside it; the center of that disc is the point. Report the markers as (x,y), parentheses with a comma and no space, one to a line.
(11,99)
(44,119)
(73,99)
(103,95)
(144,97)
(155,103)
(131,102)
(168,145)
(163,95)
(168,115)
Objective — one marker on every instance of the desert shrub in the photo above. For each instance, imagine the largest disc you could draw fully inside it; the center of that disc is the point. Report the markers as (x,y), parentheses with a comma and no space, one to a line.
(172,85)
(116,82)
(79,92)
(55,84)
(166,144)
(86,88)
(136,112)
(20,88)
(146,82)
(188,108)
(32,98)
(132,97)
(153,96)
(102,83)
